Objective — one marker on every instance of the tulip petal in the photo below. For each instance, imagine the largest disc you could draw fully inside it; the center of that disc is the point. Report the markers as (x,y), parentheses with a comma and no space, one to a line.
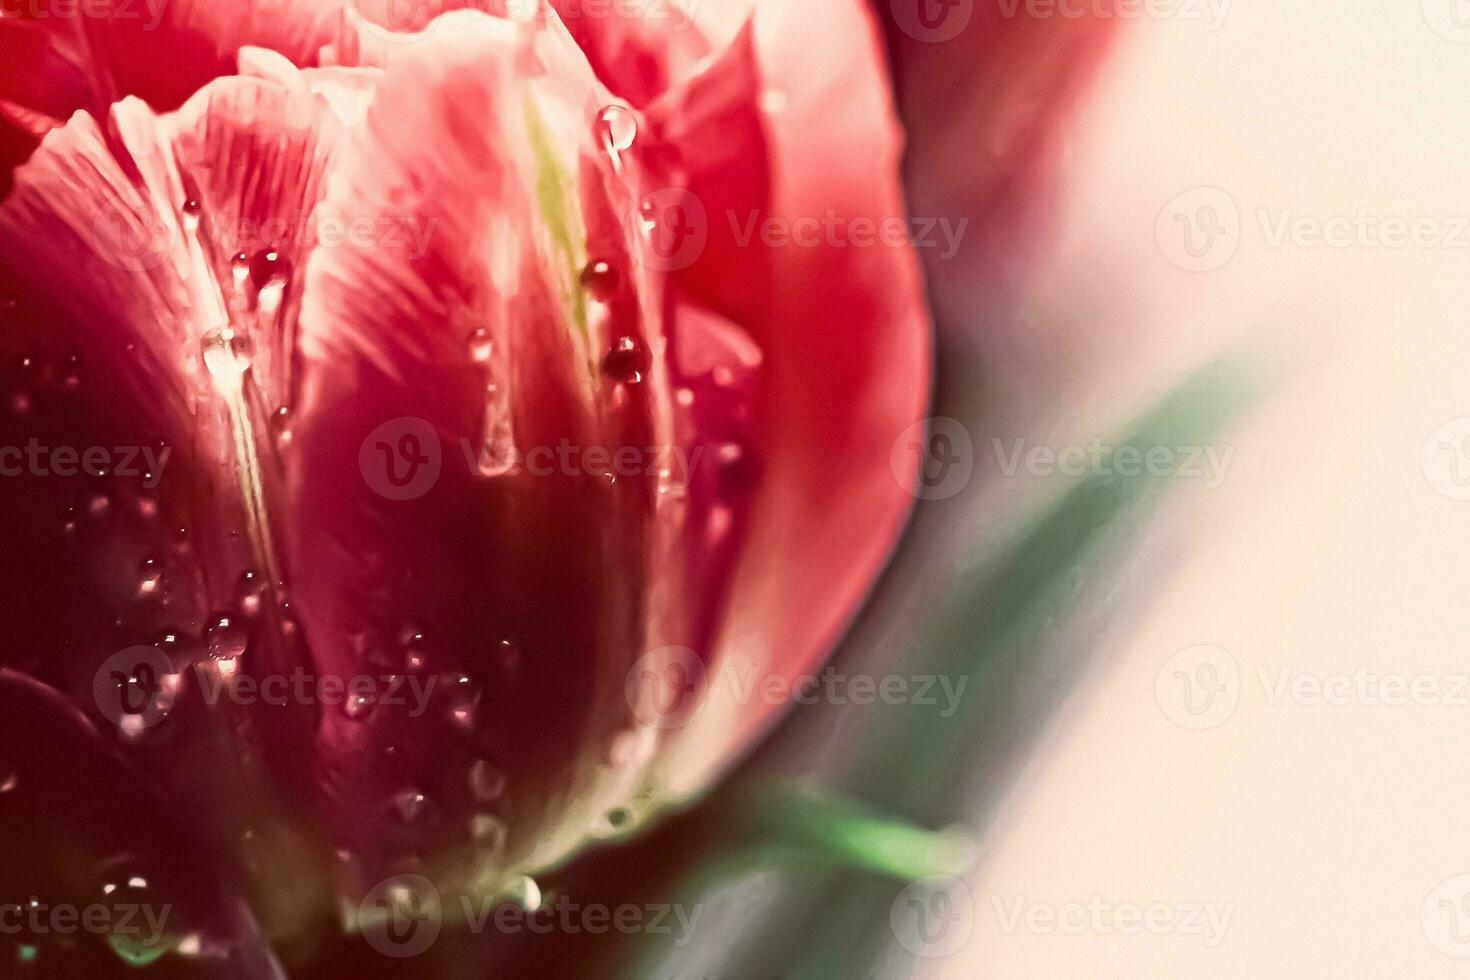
(170,551)
(511,592)
(846,341)
(96,834)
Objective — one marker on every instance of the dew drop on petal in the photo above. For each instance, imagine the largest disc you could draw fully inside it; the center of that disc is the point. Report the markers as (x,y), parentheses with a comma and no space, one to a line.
(508,652)
(192,209)
(268,266)
(226,637)
(227,354)
(249,592)
(480,346)
(601,280)
(612,822)
(523,891)
(626,362)
(415,809)
(151,574)
(617,128)
(280,420)
(358,706)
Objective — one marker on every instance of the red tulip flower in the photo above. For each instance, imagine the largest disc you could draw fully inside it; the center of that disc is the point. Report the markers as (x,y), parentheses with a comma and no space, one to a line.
(408,420)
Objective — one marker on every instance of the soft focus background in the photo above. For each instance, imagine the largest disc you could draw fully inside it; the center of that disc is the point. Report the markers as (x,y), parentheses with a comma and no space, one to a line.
(1218,734)
(1330,828)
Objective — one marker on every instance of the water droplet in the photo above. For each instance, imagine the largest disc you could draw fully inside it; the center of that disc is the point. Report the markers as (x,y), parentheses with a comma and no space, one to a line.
(268,266)
(248,592)
(151,571)
(240,268)
(227,354)
(600,279)
(98,504)
(523,891)
(508,652)
(280,425)
(9,780)
(617,128)
(20,404)
(415,647)
(684,396)
(226,637)
(738,469)
(626,362)
(612,822)
(463,695)
(486,782)
(192,211)
(481,346)
(415,809)
(358,706)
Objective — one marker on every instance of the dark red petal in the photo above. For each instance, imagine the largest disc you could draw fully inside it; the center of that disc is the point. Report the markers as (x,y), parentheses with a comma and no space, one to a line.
(516,594)
(94,832)
(114,281)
